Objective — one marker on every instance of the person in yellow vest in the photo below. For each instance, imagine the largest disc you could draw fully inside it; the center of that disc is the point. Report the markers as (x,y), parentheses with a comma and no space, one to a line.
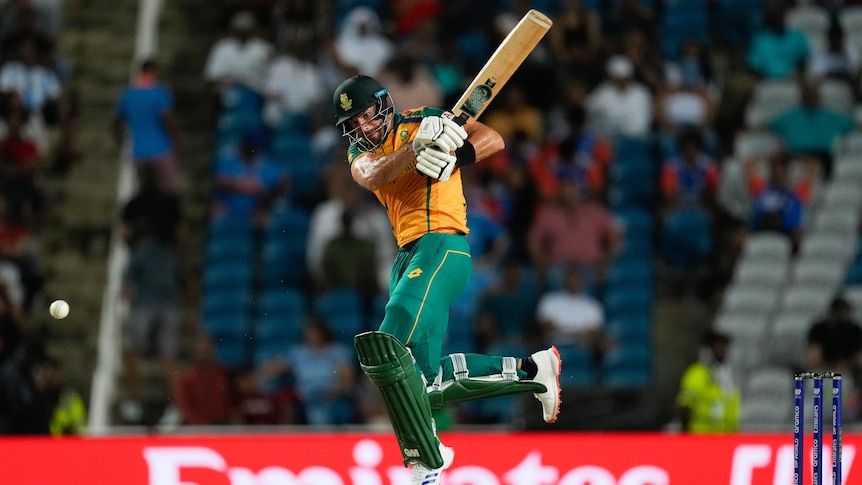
(69,416)
(709,398)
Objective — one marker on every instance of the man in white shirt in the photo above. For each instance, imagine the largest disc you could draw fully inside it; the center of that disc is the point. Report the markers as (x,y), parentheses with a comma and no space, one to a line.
(239,59)
(621,106)
(293,84)
(569,316)
(361,45)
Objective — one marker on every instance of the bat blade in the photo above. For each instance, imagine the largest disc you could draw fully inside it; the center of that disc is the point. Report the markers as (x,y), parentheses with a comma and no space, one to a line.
(510,54)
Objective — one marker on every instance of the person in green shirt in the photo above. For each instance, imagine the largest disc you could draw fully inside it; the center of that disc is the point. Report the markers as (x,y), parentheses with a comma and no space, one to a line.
(708,398)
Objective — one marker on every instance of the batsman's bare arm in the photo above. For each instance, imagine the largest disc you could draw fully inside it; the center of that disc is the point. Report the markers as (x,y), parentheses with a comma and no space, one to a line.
(374,171)
(485,140)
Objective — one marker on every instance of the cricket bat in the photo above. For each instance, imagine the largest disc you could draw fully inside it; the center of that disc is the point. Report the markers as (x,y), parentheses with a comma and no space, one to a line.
(510,54)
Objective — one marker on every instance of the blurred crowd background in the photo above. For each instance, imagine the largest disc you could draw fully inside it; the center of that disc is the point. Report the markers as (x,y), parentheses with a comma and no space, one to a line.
(677,209)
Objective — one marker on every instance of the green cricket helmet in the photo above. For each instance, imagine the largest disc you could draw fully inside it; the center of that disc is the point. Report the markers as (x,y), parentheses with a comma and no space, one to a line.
(353,97)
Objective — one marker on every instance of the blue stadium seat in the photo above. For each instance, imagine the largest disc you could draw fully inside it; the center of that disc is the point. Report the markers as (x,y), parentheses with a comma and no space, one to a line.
(630,327)
(638,223)
(628,365)
(342,310)
(230,225)
(631,271)
(229,248)
(628,299)
(281,314)
(681,21)
(627,378)
(288,147)
(578,370)
(294,123)
(736,21)
(225,301)
(686,239)
(229,275)
(288,222)
(283,262)
(632,150)
(234,353)
(461,335)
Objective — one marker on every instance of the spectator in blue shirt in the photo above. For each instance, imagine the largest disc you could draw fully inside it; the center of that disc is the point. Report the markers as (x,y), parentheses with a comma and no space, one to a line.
(247,181)
(810,129)
(777,206)
(146,109)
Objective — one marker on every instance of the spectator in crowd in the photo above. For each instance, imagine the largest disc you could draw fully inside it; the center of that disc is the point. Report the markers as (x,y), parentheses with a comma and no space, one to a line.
(69,416)
(572,231)
(349,261)
(409,18)
(153,213)
(299,23)
(778,204)
(681,107)
(642,52)
(202,390)
(236,64)
(369,222)
(583,155)
(571,316)
(20,21)
(689,180)
(776,51)
(20,200)
(294,84)
(410,83)
(37,85)
(810,129)
(252,405)
(324,374)
(621,106)
(520,195)
(514,114)
(838,59)
(156,286)
(709,398)
(695,66)
(248,181)
(28,399)
(32,123)
(146,109)
(361,47)
(628,15)
(688,184)
(12,328)
(576,37)
(835,340)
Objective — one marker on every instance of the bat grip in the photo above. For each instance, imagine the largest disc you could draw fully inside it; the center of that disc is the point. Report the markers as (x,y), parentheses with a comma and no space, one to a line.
(461,119)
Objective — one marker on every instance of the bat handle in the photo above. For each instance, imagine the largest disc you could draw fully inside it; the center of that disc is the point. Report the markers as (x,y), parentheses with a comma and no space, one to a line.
(461,119)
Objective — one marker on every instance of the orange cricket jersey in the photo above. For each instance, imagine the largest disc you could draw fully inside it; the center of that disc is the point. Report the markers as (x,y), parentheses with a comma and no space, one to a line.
(417,204)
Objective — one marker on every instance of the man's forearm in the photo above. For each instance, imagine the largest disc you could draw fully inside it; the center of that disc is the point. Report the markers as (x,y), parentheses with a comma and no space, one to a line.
(373,172)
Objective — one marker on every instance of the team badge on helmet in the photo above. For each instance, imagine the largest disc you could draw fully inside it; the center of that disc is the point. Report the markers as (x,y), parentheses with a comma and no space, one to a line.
(346,102)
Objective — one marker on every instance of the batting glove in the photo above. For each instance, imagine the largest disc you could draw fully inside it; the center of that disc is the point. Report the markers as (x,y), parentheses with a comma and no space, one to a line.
(441,132)
(436,163)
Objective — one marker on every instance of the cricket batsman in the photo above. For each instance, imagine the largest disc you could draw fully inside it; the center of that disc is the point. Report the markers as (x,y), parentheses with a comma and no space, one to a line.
(410,161)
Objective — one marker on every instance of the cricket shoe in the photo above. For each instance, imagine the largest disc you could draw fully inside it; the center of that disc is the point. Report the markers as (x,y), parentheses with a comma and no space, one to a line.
(549,366)
(422,475)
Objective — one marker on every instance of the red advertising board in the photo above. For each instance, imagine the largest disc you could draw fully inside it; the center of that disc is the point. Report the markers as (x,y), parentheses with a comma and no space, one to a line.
(373,459)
